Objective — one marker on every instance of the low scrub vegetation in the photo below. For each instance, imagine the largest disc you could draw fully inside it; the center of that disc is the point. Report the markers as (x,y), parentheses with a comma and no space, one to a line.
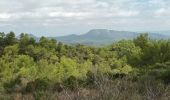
(46,69)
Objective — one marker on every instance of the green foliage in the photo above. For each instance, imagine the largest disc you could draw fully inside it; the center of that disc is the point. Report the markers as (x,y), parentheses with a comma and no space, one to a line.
(11,50)
(69,68)
(25,40)
(45,42)
(10,39)
(29,65)
(142,40)
(2,35)
(126,48)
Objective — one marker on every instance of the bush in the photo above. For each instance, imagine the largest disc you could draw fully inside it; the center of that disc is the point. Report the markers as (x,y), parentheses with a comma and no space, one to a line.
(37,85)
(13,86)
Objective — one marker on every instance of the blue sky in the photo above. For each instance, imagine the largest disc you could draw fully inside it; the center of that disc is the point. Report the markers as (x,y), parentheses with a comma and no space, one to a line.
(62,17)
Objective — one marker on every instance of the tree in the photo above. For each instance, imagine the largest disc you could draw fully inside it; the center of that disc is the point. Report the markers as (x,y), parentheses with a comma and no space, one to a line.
(25,40)
(69,67)
(11,50)
(142,40)
(47,43)
(10,39)
(2,35)
(156,52)
(127,49)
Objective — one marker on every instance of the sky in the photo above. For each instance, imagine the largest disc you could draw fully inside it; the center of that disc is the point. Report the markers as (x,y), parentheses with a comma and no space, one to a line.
(63,17)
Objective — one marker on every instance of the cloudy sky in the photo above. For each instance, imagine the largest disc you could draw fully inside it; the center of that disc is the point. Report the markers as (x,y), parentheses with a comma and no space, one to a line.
(62,17)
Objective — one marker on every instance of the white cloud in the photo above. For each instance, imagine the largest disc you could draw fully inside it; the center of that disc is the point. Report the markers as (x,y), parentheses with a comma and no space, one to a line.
(162,12)
(67,14)
(4,16)
(98,12)
(102,4)
(62,9)
(124,13)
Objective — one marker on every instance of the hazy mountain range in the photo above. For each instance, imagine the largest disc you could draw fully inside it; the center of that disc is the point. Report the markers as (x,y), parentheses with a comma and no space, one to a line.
(103,37)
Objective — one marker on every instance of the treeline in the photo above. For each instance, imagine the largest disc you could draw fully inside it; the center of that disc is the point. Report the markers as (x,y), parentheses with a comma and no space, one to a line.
(28,66)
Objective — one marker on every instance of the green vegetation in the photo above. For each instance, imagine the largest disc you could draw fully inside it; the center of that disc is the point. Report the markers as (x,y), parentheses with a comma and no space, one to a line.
(136,69)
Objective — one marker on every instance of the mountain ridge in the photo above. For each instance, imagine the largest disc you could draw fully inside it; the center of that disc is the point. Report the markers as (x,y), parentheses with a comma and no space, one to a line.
(100,37)
(103,37)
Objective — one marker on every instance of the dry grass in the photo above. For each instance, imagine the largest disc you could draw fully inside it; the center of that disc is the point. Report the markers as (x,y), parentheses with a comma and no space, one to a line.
(103,89)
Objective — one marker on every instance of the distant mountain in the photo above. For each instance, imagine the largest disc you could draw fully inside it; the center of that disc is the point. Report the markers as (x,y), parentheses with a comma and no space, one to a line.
(167,32)
(103,37)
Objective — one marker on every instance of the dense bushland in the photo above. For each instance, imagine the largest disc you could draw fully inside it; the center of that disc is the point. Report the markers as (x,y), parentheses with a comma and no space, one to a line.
(136,69)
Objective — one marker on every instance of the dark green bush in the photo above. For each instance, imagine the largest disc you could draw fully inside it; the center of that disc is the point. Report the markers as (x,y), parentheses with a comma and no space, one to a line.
(38,85)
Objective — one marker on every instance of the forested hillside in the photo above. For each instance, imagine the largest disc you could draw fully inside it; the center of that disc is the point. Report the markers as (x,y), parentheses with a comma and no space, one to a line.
(137,69)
